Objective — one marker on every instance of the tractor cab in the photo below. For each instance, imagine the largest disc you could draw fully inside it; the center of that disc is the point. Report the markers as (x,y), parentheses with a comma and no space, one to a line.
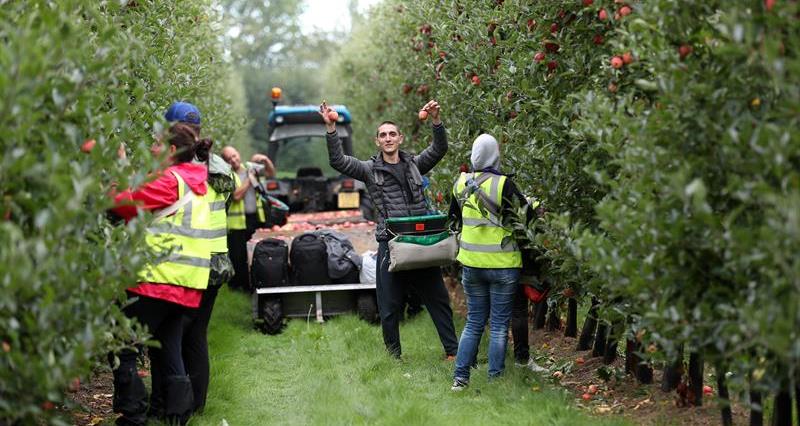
(297,147)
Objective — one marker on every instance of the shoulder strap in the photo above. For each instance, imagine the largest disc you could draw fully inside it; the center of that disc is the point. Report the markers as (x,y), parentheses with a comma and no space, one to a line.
(415,174)
(378,178)
(376,175)
(473,186)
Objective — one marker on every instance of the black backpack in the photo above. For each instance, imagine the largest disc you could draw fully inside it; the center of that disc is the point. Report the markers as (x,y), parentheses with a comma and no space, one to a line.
(309,258)
(270,266)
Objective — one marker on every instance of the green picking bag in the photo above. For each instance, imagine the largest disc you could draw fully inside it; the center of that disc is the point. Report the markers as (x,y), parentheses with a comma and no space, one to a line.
(410,251)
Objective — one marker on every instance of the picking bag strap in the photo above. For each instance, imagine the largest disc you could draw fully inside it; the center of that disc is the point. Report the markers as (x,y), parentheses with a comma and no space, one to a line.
(475,187)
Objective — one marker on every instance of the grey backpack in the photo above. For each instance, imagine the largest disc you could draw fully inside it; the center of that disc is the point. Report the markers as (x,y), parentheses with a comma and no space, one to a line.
(342,257)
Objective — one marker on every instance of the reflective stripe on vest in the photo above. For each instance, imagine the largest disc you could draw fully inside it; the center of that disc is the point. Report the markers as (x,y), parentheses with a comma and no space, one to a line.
(482,234)
(236,218)
(218,225)
(181,243)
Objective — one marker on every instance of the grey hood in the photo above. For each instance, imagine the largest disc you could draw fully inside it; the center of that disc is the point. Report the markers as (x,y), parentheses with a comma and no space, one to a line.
(218,166)
(485,153)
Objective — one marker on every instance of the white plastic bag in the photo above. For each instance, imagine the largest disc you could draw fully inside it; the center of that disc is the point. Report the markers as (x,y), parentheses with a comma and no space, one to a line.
(369,263)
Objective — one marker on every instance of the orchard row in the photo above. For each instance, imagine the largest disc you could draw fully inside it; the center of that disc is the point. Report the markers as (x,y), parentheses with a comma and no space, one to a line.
(662,138)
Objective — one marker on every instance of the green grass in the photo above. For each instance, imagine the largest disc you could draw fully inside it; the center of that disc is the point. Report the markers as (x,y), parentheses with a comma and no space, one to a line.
(339,373)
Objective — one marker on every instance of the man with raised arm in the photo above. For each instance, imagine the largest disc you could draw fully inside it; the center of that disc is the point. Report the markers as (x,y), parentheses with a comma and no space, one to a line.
(394,183)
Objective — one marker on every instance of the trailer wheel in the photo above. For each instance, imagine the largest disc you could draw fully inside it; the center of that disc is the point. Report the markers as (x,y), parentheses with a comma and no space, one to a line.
(271,314)
(368,308)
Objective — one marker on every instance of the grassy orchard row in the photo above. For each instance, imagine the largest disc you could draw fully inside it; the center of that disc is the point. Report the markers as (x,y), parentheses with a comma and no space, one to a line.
(662,139)
(80,77)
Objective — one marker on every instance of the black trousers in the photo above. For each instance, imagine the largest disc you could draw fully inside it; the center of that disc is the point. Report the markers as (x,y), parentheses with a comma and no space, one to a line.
(195,340)
(165,322)
(391,292)
(519,325)
(237,250)
(195,348)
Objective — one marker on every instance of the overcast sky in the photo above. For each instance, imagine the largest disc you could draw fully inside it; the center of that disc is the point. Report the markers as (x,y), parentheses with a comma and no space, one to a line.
(330,14)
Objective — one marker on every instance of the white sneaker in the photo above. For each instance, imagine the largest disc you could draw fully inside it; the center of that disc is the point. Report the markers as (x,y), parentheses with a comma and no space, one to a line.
(536,368)
(459,385)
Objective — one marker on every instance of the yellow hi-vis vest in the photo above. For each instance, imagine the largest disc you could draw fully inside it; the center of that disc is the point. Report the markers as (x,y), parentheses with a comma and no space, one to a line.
(219,221)
(186,236)
(482,235)
(236,219)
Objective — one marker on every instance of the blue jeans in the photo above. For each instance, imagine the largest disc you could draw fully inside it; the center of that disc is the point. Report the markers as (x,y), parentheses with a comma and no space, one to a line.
(490,295)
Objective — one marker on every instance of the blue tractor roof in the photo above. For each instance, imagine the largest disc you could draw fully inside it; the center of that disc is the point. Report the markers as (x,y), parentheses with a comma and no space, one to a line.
(284,114)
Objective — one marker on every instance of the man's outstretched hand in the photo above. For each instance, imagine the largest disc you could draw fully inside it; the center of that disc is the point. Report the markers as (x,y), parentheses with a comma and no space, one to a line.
(329,116)
(432,107)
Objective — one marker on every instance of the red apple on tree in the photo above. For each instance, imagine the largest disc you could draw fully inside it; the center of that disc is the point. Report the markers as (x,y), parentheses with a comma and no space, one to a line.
(551,47)
(627,58)
(602,15)
(539,56)
(684,50)
(617,62)
(88,145)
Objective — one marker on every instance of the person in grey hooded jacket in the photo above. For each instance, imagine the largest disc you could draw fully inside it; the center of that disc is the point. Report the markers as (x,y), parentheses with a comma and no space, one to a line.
(482,204)
(394,183)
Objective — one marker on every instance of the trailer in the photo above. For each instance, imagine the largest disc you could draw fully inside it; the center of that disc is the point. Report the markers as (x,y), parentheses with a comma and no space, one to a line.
(271,306)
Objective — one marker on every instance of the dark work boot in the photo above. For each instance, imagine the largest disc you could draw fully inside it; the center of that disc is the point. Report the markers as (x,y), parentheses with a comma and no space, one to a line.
(179,399)
(130,396)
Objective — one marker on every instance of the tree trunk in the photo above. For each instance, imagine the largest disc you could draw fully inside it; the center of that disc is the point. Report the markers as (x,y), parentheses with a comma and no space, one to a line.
(673,373)
(631,359)
(782,412)
(725,402)
(696,379)
(541,315)
(797,398)
(589,327)
(756,409)
(612,343)
(571,329)
(553,321)
(635,365)
(600,340)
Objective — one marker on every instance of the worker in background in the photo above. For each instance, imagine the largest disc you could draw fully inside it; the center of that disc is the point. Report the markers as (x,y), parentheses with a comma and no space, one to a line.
(246,213)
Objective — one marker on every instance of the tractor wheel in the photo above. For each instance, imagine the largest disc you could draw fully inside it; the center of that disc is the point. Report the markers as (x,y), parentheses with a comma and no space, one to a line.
(368,308)
(271,316)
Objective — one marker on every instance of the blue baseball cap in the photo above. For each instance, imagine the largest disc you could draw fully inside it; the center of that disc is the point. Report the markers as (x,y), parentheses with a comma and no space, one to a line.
(183,112)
